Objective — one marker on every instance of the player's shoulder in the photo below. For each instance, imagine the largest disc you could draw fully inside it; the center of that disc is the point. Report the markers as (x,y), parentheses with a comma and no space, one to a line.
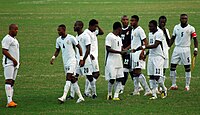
(110,35)
(7,38)
(190,26)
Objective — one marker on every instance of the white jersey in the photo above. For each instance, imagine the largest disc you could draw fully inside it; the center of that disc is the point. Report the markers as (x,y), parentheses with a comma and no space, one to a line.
(164,43)
(94,42)
(137,35)
(183,35)
(83,40)
(158,51)
(67,46)
(113,59)
(12,45)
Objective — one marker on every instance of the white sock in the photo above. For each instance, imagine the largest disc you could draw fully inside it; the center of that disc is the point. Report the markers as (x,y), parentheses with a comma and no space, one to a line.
(93,87)
(153,85)
(122,88)
(136,84)
(66,88)
(77,89)
(87,83)
(118,88)
(72,91)
(187,78)
(110,87)
(161,83)
(173,77)
(8,90)
(143,81)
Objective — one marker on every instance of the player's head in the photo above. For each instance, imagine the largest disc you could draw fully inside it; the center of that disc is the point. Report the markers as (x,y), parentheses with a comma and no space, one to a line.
(61,29)
(134,20)
(153,26)
(93,24)
(124,20)
(183,18)
(117,27)
(13,29)
(78,26)
(162,21)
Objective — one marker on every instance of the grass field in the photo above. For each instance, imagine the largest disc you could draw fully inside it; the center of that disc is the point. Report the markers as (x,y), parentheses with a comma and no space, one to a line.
(39,84)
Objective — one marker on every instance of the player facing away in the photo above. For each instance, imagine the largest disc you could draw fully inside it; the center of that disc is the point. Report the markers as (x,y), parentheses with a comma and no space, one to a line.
(182,35)
(155,60)
(66,42)
(113,63)
(93,31)
(138,38)
(10,50)
(162,22)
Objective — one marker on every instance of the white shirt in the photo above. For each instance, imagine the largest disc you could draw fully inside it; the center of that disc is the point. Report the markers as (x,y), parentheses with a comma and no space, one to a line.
(83,40)
(67,46)
(12,45)
(164,43)
(94,42)
(137,35)
(183,35)
(158,51)
(115,43)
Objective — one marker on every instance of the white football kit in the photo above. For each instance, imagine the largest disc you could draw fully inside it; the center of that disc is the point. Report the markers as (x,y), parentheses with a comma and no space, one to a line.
(181,53)
(114,66)
(137,35)
(156,55)
(67,46)
(12,45)
(93,49)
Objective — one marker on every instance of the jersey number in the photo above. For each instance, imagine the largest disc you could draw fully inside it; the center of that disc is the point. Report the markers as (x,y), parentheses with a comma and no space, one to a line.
(86,70)
(63,46)
(181,34)
(157,71)
(126,61)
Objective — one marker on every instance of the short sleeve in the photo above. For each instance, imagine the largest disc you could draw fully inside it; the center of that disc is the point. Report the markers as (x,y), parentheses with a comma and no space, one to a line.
(74,40)
(108,40)
(57,44)
(174,31)
(6,42)
(159,36)
(86,39)
(192,29)
(142,34)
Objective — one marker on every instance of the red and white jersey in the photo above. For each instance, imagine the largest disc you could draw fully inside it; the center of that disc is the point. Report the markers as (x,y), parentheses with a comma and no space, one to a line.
(113,59)
(137,35)
(158,51)
(12,45)
(94,42)
(67,46)
(183,35)
(83,40)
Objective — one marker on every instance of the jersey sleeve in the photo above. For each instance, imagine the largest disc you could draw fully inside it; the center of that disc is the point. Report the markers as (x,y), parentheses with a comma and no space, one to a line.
(108,40)
(174,31)
(159,36)
(86,39)
(57,44)
(142,34)
(74,40)
(168,33)
(6,42)
(193,33)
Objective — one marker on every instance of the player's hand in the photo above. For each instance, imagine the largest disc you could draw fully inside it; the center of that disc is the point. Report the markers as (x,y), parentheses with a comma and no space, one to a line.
(14,62)
(123,52)
(92,57)
(142,56)
(51,62)
(195,53)
(81,63)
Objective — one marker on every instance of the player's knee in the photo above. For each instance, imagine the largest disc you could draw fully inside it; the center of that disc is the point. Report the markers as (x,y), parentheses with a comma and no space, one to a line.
(152,77)
(90,78)
(119,79)
(187,68)
(96,75)
(112,81)
(173,67)
(73,80)
(9,81)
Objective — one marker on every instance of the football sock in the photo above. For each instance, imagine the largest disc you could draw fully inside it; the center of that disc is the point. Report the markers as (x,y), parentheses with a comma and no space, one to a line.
(110,86)
(118,88)
(153,85)
(173,77)
(161,83)
(93,87)
(8,89)
(187,78)
(143,81)
(87,83)
(72,90)
(136,84)
(66,88)
(77,89)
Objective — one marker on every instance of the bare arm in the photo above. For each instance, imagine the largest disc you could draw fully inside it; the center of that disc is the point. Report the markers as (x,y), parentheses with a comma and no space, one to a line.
(87,52)
(195,46)
(81,62)
(109,49)
(100,31)
(172,41)
(55,54)
(7,54)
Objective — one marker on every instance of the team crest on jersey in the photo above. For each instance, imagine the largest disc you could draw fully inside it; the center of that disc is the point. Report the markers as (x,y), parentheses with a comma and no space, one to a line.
(187,31)
(68,42)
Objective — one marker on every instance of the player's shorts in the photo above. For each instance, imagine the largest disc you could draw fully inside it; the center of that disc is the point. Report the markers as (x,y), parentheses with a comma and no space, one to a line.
(113,73)
(70,69)
(95,65)
(166,63)
(136,62)
(126,61)
(181,55)
(85,70)
(10,72)
(155,65)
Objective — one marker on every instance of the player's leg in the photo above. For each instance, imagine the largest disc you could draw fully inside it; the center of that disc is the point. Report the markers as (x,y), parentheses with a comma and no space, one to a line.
(124,81)
(173,76)
(153,85)
(93,86)
(110,88)
(136,84)
(187,77)
(72,90)
(76,88)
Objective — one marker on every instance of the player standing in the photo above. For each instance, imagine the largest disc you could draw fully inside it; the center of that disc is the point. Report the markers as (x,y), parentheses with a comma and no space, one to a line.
(10,50)
(66,42)
(138,38)
(182,35)
(114,66)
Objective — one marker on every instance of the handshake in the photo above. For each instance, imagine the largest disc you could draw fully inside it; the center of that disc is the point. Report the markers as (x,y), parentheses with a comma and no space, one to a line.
(132,50)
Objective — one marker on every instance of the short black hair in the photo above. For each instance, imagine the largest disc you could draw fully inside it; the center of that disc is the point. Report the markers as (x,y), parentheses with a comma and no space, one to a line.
(62,26)
(117,25)
(183,15)
(136,17)
(93,22)
(124,16)
(80,22)
(162,17)
(154,22)
(11,26)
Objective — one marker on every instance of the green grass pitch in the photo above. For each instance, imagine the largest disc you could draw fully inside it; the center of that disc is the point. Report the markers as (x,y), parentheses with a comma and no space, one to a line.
(39,84)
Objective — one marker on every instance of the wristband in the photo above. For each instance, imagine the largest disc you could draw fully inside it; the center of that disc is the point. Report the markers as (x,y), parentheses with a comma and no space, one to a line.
(195,49)
(143,47)
(54,57)
(81,57)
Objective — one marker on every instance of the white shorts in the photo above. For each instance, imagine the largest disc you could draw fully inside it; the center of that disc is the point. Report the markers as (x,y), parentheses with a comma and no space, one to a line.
(155,66)
(136,62)
(70,69)
(95,65)
(85,70)
(166,63)
(181,55)
(113,73)
(10,72)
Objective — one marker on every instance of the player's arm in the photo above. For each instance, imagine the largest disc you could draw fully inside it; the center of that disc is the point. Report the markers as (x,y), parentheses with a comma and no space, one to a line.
(142,54)
(87,52)
(81,62)
(155,45)
(166,36)
(7,54)
(100,31)
(55,55)
(171,41)
(195,46)
(109,49)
